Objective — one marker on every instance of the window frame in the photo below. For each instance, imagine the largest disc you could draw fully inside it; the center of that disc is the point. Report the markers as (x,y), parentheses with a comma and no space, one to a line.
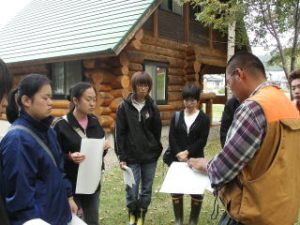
(165,65)
(170,4)
(51,76)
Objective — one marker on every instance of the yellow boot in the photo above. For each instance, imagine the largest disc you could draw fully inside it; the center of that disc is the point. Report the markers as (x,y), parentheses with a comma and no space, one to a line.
(132,218)
(141,216)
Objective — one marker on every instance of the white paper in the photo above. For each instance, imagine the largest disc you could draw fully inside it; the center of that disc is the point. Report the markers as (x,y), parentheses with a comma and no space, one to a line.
(128,176)
(36,222)
(76,220)
(89,172)
(181,179)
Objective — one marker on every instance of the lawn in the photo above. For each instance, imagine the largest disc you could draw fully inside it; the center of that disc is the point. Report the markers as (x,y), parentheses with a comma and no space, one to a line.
(112,203)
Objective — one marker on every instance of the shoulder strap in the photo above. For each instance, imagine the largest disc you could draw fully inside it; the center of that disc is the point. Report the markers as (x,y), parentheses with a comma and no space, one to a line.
(177,114)
(76,129)
(37,138)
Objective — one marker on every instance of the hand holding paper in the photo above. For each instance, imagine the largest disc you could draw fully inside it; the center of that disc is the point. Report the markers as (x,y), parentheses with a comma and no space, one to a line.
(128,176)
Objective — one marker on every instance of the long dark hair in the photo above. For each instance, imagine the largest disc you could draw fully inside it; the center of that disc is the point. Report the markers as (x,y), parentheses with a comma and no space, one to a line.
(29,86)
(6,80)
(76,91)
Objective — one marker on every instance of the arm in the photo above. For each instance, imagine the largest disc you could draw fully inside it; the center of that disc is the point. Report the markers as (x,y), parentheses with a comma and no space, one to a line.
(120,133)
(20,168)
(201,141)
(244,139)
(175,148)
(157,124)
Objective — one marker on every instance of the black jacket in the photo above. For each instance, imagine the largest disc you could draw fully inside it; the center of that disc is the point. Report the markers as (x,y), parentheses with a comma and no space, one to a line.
(227,118)
(138,141)
(195,141)
(70,141)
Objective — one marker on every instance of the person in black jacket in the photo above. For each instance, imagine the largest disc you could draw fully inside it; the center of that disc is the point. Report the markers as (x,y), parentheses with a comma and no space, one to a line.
(187,140)
(227,118)
(138,146)
(6,81)
(80,121)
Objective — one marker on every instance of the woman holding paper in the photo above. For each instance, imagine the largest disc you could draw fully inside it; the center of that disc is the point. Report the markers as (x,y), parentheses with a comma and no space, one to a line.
(31,161)
(137,136)
(187,139)
(77,124)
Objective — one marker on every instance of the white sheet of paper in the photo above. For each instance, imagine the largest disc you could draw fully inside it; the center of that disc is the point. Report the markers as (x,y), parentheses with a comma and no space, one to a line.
(128,176)
(76,220)
(36,222)
(181,179)
(89,172)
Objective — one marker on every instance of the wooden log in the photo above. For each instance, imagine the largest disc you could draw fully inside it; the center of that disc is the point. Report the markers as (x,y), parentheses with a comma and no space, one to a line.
(197,66)
(24,70)
(176,71)
(178,104)
(135,67)
(113,115)
(166,107)
(117,93)
(121,60)
(166,43)
(106,121)
(206,96)
(174,96)
(134,44)
(103,87)
(177,88)
(59,112)
(121,82)
(104,110)
(106,98)
(162,51)
(191,77)
(115,104)
(89,63)
(166,115)
(139,35)
(124,70)
(60,104)
(100,76)
(139,57)
(175,80)
(189,70)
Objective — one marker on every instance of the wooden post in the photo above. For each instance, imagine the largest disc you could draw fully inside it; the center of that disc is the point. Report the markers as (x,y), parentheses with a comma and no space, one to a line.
(186,18)
(155,24)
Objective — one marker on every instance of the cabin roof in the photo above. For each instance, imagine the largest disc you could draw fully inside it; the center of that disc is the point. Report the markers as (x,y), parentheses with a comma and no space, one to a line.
(54,29)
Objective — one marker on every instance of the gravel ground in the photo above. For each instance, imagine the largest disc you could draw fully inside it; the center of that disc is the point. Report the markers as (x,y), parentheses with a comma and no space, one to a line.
(112,161)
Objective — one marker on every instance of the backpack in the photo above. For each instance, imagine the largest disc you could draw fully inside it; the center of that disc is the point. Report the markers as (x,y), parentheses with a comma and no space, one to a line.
(168,156)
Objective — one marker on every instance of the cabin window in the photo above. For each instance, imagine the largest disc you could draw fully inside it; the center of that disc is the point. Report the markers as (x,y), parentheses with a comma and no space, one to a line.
(158,71)
(173,6)
(64,75)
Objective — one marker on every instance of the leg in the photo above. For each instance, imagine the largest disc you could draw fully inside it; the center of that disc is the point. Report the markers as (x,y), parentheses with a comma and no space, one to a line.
(147,176)
(196,203)
(177,200)
(132,193)
(90,207)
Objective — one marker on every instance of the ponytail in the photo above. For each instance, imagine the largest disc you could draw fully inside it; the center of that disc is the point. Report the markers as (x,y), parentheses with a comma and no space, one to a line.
(12,109)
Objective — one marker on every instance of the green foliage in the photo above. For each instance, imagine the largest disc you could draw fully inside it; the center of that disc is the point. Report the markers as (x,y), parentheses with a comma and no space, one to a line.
(275,57)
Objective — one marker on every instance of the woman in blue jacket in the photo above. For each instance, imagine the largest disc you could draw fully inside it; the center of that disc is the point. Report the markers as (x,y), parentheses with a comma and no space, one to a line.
(31,160)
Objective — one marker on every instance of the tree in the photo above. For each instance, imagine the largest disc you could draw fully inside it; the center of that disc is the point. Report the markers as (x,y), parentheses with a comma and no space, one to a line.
(278,20)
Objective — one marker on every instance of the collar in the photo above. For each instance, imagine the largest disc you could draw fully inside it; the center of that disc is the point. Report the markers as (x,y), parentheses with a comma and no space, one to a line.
(40,125)
(92,120)
(263,85)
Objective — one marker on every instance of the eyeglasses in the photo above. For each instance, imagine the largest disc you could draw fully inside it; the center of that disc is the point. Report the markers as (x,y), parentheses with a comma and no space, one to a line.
(228,81)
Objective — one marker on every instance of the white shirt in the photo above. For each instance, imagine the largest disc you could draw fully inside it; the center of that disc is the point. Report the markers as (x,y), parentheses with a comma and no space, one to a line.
(190,119)
(138,106)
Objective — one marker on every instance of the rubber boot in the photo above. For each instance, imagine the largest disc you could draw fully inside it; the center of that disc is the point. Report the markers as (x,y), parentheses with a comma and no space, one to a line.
(132,218)
(178,209)
(141,214)
(195,210)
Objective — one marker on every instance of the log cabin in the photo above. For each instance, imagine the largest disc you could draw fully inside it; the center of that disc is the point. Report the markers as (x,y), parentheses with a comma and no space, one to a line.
(106,41)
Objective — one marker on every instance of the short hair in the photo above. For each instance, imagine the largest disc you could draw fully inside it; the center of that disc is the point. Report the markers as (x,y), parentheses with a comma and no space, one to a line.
(294,75)
(6,80)
(248,61)
(191,91)
(141,77)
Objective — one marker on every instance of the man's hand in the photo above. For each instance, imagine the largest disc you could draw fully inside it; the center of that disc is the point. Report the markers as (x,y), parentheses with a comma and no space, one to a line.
(199,164)
(73,206)
(76,157)
(122,165)
(182,156)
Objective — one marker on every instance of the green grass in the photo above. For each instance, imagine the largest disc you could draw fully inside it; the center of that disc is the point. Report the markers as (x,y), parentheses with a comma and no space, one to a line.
(112,204)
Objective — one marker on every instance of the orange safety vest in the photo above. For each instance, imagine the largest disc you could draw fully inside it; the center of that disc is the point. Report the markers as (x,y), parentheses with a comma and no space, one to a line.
(267,191)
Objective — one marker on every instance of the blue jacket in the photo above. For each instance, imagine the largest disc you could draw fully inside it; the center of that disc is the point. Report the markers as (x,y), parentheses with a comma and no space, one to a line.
(33,186)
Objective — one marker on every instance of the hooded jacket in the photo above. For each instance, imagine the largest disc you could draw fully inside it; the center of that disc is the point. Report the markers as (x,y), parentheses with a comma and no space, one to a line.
(137,135)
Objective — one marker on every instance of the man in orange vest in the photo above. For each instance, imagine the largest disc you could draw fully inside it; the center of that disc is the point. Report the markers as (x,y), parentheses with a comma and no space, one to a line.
(256,173)
(294,80)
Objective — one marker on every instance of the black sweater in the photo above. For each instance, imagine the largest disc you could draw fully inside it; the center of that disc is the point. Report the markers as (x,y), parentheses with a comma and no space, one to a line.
(70,141)
(138,141)
(195,141)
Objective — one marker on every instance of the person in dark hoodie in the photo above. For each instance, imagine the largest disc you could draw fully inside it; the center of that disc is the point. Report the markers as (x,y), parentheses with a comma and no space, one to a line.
(138,146)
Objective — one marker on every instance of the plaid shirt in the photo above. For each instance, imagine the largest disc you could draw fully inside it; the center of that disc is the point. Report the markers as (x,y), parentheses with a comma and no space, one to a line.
(244,138)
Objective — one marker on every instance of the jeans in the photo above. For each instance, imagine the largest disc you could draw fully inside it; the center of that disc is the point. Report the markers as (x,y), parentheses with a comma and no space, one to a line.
(139,196)
(90,206)
(226,220)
